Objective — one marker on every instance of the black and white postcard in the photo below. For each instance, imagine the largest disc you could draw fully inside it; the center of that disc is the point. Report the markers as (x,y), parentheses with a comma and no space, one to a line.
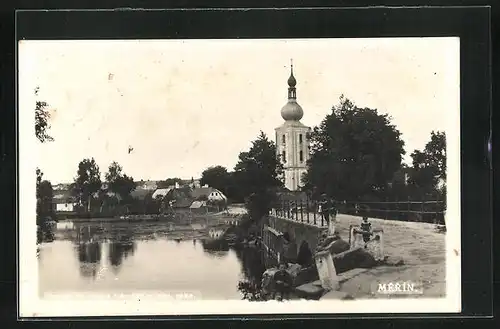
(239,176)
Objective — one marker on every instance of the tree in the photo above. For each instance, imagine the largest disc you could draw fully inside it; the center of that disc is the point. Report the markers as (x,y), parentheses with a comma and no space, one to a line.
(87,182)
(216,177)
(354,153)
(257,174)
(119,183)
(429,167)
(169,182)
(44,195)
(42,117)
(233,190)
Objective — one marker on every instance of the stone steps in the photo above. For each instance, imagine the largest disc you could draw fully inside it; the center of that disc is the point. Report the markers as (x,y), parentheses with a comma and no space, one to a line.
(309,291)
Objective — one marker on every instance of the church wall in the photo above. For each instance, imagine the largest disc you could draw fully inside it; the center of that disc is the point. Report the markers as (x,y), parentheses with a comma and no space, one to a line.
(294,168)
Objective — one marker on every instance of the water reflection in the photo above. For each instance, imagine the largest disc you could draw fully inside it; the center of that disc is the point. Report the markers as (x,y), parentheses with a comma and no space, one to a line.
(216,253)
(119,256)
(89,256)
(93,242)
(252,263)
(89,252)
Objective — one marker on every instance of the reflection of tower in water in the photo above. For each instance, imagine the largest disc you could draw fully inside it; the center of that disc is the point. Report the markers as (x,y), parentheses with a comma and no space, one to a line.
(89,256)
(118,252)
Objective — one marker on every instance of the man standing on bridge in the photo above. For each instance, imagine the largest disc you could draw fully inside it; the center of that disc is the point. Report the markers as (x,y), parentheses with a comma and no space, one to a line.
(334,210)
(326,208)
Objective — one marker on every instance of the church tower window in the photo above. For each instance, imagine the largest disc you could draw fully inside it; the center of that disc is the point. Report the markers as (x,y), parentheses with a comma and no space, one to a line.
(297,146)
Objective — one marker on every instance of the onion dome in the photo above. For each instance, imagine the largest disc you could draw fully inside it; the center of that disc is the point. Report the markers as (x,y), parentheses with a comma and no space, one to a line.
(292,111)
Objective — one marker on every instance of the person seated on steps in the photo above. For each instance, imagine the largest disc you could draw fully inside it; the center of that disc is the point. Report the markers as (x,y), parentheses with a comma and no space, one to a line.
(283,282)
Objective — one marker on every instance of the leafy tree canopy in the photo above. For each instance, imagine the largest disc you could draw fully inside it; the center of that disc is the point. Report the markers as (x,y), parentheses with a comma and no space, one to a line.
(118,182)
(355,152)
(429,165)
(257,175)
(169,182)
(42,117)
(216,177)
(44,195)
(87,181)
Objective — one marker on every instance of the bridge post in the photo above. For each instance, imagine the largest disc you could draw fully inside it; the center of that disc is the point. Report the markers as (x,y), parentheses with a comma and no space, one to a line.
(307,210)
(326,270)
(301,211)
(331,227)
(314,212)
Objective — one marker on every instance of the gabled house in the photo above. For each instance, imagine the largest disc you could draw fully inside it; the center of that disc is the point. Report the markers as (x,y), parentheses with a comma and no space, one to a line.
(208,194)
(181,197)
(161,192)
(63,201)
(140,193)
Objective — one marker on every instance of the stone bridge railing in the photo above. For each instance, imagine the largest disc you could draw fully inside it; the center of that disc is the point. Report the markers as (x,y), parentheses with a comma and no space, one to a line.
(303,212)
(308,210)
(303,236)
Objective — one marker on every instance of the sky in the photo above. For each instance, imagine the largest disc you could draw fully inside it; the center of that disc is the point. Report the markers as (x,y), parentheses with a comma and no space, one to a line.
(185,105)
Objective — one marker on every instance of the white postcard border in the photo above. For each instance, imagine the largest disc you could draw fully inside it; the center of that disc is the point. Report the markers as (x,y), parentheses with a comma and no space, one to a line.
(31,305)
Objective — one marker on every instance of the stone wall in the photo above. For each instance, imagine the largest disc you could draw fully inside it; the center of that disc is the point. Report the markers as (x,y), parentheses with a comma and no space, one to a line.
(298,232)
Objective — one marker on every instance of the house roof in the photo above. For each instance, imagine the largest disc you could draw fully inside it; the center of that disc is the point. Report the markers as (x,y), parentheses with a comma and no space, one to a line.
(61,187)
(197,204)
(201,191)
(139,193)
(62,197)
(182,197)
(161,191)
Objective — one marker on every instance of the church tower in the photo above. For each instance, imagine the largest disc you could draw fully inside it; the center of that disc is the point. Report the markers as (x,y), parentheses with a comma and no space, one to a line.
(292,144)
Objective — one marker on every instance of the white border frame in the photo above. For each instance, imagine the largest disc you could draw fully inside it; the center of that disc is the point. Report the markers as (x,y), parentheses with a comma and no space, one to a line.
(31,305)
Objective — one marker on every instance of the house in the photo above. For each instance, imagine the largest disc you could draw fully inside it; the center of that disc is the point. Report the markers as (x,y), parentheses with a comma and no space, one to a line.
(140,193)
(186,197)
(192,183)
(61,187)
(181,197)
(63,201)
(208,193)
(161,192)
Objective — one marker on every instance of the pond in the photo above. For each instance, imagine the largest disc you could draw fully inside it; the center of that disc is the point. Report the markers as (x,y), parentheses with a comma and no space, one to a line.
(123,258)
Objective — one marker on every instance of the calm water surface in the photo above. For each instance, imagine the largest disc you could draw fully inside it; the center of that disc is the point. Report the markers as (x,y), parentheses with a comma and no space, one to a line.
(118,260)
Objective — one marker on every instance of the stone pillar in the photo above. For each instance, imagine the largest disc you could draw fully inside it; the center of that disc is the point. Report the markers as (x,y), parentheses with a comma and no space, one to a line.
(331,227)
(326,270)
(376,245)
(356,239)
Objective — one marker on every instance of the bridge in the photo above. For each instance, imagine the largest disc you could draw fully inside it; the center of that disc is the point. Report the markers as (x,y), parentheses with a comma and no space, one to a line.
(300,222)
(302,229)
